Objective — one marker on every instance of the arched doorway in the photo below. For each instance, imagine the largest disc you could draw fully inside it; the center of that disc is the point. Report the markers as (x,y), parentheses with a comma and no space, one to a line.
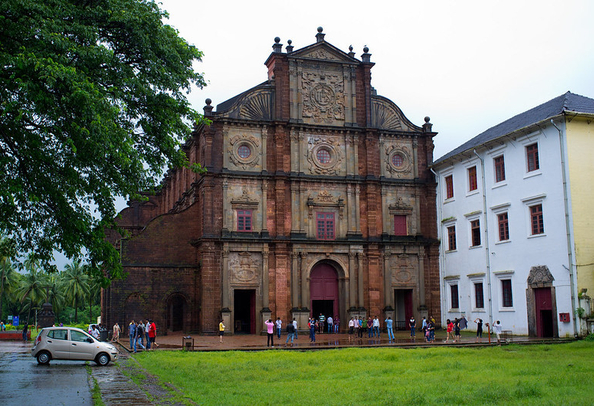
(323,287)
(176,309)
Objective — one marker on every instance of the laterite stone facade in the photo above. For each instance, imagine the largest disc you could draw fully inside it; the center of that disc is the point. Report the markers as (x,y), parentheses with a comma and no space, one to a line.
(318,199)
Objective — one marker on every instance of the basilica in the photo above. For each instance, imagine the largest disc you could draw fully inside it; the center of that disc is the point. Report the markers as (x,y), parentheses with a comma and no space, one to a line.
(318,199)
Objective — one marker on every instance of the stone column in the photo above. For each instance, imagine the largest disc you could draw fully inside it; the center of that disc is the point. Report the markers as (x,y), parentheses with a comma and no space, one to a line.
(225,205)
(295,279)
(295,212)
(356,154)
(360,273)
(422,303)
(416,157)
(388,296)
(225,276)
(265,294)
(304,284)
(264,205)
(357,211)
(352,280)
(264,147)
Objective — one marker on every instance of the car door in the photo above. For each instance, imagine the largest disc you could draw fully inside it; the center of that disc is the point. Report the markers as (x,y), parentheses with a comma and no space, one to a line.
(57,343)
(80,347)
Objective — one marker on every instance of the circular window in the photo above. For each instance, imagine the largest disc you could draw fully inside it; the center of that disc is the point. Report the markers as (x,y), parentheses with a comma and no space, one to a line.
(244,151)
(397,160)
(323,156)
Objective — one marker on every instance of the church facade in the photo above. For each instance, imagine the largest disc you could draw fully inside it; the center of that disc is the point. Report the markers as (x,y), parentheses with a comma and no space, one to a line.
(318,199)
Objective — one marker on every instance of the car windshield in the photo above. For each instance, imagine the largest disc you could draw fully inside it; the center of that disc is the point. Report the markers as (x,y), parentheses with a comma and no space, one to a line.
(78,336)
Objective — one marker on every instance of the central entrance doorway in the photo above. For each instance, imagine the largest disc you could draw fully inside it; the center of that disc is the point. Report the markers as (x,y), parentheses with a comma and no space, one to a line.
(324,291)
(244,314)
(544,312)
(403,300)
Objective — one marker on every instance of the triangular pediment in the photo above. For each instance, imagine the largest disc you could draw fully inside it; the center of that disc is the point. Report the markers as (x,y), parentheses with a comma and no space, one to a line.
(323,51)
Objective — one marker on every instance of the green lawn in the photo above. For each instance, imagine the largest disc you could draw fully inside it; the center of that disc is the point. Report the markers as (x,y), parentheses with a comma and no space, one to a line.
(559,374)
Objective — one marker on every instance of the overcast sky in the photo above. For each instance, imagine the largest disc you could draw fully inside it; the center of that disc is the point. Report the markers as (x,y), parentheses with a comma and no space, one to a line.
(469,65)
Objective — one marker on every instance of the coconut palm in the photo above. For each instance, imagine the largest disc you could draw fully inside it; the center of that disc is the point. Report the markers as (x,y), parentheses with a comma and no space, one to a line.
(56,292)
(8,276)
(75,285)
(32,290)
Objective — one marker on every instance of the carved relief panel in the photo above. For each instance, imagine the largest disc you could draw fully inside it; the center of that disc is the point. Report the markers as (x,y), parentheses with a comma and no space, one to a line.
(325,155)
(398,160)
(245,268)
(243,149)
(404,269)
(323,95)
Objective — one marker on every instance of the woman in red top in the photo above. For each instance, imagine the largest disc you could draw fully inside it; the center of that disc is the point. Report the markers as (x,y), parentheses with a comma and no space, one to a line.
(449,329)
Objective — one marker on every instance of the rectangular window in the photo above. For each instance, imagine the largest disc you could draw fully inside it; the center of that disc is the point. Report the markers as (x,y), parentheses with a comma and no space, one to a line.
(454,295)
(452,238)
(506,288)
(503,227)
(499,169)
(532,157)
(536,219)
(400,225)
(479,299)
(449,186)
(325,226)
(475,229)
(244,220)
(472,185)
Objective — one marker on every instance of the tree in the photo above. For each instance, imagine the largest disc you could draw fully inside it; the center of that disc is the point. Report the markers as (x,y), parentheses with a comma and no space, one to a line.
(32,289)
(8,276)
(76,285)
(92,106)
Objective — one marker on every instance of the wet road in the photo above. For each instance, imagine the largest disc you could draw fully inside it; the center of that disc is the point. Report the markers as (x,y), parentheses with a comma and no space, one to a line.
(24,382)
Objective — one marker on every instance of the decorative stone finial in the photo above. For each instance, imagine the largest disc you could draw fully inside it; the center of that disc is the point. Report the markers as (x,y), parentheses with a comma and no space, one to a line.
(366,57)
(289,47)
(208,108)
(277,47)
(320,36)
(351,53)
(427,127)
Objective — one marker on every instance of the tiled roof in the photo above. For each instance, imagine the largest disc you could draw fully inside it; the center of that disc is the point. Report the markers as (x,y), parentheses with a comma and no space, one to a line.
(568,102)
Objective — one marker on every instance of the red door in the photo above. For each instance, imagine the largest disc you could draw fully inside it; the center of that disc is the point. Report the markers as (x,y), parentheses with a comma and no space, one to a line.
(323,286)
(544,312)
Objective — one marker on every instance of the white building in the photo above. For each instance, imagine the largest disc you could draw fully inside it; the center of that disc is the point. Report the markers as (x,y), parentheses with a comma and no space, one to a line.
(506,221)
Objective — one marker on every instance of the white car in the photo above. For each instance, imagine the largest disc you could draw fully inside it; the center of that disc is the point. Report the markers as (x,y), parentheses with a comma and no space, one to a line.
(71,343)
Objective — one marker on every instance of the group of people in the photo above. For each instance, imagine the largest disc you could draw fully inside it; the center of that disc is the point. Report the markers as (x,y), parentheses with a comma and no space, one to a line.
(278,324)
(142,334)
(359,326)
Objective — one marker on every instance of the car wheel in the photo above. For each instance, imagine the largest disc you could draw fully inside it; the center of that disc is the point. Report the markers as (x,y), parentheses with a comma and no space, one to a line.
(102,359)
(43,357)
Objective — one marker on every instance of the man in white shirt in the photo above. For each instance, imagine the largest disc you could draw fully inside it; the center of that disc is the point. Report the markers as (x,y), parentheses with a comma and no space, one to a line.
(497,329)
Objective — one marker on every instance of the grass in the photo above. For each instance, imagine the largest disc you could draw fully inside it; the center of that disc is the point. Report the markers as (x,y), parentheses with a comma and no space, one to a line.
(514,374)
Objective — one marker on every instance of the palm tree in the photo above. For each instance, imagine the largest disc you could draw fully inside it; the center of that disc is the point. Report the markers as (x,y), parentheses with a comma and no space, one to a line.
(76,285)
(32,289)
(56,292)
(8,276)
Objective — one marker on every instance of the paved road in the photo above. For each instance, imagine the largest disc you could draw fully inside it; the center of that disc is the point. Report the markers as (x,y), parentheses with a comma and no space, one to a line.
(24,382)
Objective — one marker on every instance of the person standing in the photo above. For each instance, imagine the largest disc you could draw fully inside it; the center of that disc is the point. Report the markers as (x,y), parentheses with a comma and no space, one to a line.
(389,322)
(497,329)
(221,331)
(358,324)
(290,333)
(376,327)
(336,324)
(321,321)
(312,330)
(457,330)
(153,334)
(424,325)
(351,328)
(139,335)
(329,322)
(279,326)
(116,333)
(147,330)
(295,326)
(449,328)
(25,331)
(412,324)
(270,333)
(132,334)
(369,327)
(479,329)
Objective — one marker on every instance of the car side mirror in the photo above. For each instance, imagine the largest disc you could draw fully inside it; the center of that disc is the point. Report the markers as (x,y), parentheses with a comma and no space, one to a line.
(90,340)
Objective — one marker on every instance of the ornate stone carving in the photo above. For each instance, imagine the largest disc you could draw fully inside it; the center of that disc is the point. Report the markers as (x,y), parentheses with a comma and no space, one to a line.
(244,201)
(253,105)
(239,157)
(399,207)
(385,115)
(402,269)
(323,97)
(398,161)
(329,146)
(244,267)
(540,276)
(322,54)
